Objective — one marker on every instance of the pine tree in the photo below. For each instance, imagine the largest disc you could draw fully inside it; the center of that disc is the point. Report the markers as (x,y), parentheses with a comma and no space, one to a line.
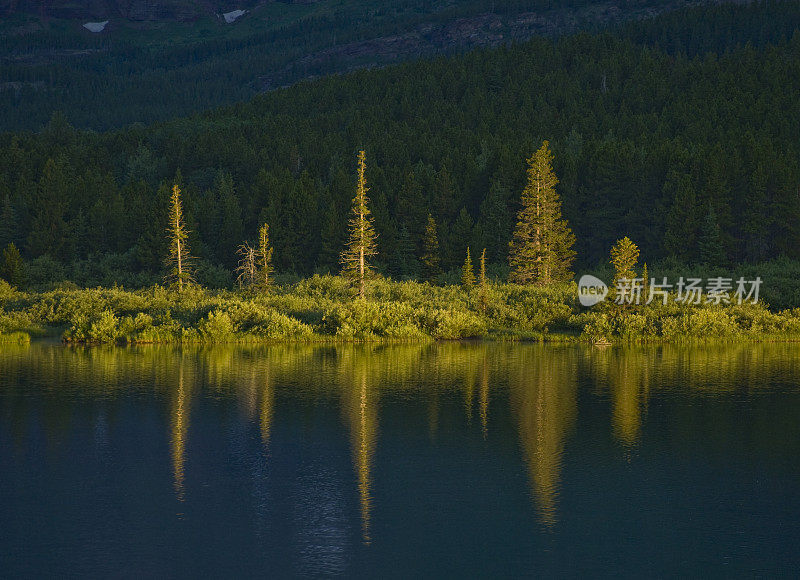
(362,243)
(9,227)
(231,229)
(430,251)
(680,236)
(541,249)
(264,256)
(49,230)
(709,243)
(179,259)
(467,272)
(645,280)
(493,221)
(460,236)
(405,264)
(482,282)
(757,224)
(624,256)
(13,268)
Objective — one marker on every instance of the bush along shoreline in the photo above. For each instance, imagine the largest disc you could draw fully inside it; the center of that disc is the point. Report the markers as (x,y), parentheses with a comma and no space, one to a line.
(326,308)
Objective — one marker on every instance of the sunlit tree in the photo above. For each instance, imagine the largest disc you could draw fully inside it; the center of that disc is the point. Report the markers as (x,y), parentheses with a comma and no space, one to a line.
(624,256)
(264,257)
(179,259)
(12,268)
(246,269)
(362,241)
(468,272)
(482,281)
(430,251)
(541,249)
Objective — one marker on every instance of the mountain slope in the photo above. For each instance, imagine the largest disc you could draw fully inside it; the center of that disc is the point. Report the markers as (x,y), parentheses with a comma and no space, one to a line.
(159,59)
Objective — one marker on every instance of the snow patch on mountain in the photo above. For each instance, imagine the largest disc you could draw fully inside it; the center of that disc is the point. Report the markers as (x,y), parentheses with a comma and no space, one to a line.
(232,16)
(95,26)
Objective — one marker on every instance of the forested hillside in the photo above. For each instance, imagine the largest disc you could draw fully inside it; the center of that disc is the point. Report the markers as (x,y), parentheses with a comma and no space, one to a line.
(695,158)
(161,59)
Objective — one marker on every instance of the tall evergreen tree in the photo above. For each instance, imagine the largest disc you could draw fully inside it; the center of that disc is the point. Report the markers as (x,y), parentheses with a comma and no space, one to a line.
(709,243)
(624,256)
(231,229)
(680,237)
(178,260)
(757,224)
(541,249)
(494,220)
(430,251)
(468,272)
(362,243)
(482,281)
(12,269)
(49,229)
(459,238)
(405,264)
(9,227)
(264,256)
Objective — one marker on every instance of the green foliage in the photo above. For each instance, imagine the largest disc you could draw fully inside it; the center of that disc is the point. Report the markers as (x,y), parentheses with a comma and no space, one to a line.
(541,249)
(624,256)
(12,268)
(430,252)
(468,273)
(362,243)
(322,308)
(264,257)
(179,259)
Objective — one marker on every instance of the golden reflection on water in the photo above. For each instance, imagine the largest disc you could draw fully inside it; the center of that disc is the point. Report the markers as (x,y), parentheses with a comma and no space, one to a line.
(359,404)
(540,383)
(180,427)
(266,408)
(544,396)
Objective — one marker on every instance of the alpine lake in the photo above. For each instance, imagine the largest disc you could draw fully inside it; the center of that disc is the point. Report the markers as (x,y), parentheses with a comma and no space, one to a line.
(449,459)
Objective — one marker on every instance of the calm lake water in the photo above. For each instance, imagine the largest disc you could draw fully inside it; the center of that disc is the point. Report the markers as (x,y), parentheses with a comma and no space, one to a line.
(454,459)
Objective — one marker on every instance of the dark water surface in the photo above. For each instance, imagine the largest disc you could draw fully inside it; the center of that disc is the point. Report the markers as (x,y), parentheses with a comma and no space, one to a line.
(468,460)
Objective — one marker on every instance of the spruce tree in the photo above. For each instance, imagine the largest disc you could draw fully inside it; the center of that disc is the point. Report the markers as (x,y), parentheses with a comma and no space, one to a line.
(709,243)
(680,236)
(12,269)
(231,229)
(264,258)
(459,238)
(430,251)
(645,280)
(624,256)
(405,264)
(362,243)
(179,259)
(467,272)
(541,249)
(9,226)
(482,282)
(49,228)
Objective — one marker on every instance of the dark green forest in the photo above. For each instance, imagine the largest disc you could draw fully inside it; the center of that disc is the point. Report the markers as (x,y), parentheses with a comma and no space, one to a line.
(158,70)
(680,133)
